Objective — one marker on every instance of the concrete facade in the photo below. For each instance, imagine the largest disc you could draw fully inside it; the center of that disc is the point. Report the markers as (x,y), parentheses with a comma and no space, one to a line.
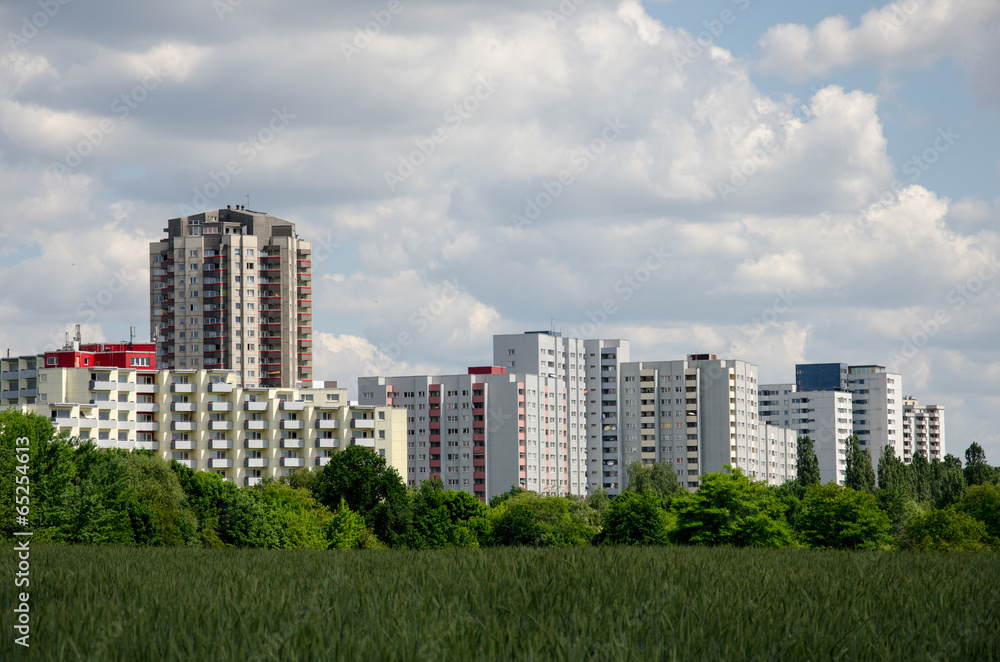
(204,420)
(232,289)
(486,431)
(923,429)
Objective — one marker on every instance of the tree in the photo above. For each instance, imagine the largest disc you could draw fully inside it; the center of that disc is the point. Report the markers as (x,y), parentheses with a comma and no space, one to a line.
(249,522)
(977,471)
(159,502)
(636,519)
(539,521)
(370,488)
(301,521)
(51,476)
(892,473)
(303,477)
(807,464)
(657,477)
(945,530)
(441,518)
(860,475)
(842,518)
(919,471)
(947,481)
(347,530)
(207,496)
(983,503)
(730,509)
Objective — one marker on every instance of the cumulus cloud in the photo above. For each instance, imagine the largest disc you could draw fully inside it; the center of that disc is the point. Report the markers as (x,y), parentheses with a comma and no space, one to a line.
(474,168)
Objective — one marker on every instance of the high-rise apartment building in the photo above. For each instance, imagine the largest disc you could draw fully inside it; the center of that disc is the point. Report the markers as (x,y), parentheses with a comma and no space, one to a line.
(698,415)
(877,401)
(825,416)
(232,289)
(590,369)
(486,431)
(203,419)
(923,429)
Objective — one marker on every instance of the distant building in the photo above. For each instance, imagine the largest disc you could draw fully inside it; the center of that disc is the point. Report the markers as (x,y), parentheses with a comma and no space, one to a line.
(699,415)
(202,418)
(590,369)
(825,416)
(923,429)
(486,431)
(232,289)
(877,400)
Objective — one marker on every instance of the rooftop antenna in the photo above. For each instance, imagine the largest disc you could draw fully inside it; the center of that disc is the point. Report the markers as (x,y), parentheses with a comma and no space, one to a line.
(77,337)
(248,201)
(553,324)
(131,336)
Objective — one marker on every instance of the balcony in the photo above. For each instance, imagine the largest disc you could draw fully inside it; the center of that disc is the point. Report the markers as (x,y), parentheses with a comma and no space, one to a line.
(323,461)
(254,444)
(255,425)
(260,405)
(28,392)
(147,426)
(220,387)
(255,462)
(183,426)
(292,406)
(288,424)
(7,394)
(367,442)
(220,444)
(327,424)
(250,481)
(293,443)
(190,464)
(322,442)
(102,385)
(182,388)
(183,445)
(183,406)
(220,406)
(220,463)
(30,373)
(293,462)
(363,423)
(220,425)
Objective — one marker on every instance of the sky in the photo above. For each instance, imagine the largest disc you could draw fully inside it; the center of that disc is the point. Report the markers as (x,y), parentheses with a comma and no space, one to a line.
(777,182)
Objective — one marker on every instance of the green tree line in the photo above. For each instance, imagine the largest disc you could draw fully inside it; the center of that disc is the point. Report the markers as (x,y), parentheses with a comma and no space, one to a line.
(84,495)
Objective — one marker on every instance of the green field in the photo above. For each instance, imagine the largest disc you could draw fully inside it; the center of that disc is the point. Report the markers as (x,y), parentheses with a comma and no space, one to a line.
(603,603)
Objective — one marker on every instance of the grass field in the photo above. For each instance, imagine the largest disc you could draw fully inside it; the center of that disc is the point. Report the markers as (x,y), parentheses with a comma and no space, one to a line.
(105,603)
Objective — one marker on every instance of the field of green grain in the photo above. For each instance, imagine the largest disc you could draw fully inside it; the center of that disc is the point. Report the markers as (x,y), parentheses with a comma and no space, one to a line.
(604,603)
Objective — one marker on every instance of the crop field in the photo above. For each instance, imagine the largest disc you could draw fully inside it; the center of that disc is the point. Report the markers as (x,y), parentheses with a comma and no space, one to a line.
(603,603)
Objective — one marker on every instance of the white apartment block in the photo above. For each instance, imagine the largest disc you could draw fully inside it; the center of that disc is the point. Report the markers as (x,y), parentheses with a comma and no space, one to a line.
(923,429)
(825,416)
(232,289)
(486,431)
(698,415)
(590,369)
(878,410)
(206,421)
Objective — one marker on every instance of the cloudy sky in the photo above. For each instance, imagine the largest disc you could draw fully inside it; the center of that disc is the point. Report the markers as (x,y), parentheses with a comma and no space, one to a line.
(771,181)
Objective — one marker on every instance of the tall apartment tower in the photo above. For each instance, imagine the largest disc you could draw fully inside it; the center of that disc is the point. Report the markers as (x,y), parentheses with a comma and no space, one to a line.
(923,430)
(485,431)
(589,368)
(877,398)
(232,289)
(827,417)
(699,415)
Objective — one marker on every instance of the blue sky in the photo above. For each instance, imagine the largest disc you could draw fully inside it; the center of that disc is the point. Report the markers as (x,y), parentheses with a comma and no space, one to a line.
(776,159)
